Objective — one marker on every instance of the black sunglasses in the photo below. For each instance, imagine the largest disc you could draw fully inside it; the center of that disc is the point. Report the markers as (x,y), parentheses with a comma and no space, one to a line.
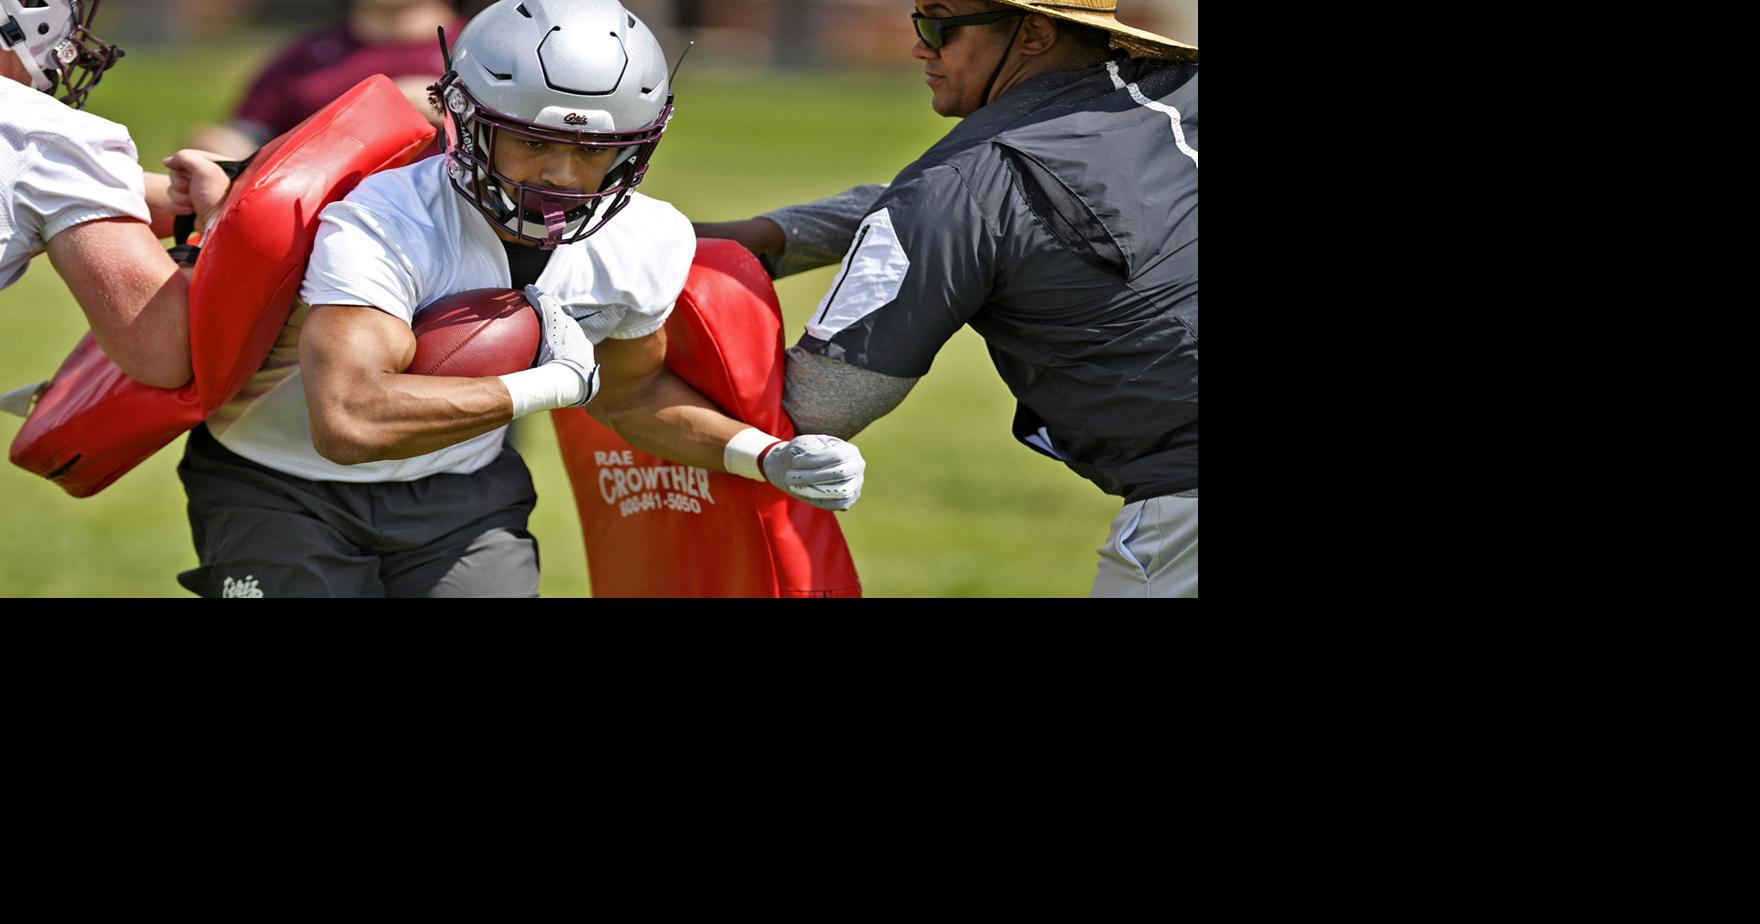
(933,31)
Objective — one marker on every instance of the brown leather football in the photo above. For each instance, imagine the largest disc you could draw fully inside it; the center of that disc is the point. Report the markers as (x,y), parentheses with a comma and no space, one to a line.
(476,333)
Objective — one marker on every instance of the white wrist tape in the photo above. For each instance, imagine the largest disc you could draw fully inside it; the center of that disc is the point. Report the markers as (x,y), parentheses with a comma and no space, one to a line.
(742,452)
(551,385)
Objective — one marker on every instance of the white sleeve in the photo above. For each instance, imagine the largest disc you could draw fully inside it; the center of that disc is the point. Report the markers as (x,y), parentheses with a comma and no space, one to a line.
(636,324)
(360,258)
(657,282)
(73,181)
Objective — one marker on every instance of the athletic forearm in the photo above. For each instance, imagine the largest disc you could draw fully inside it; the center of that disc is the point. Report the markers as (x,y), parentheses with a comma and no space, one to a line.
(151,346)
(761,236)
(659,413)
(396,416)
(363,407)
(154,349)
(669,419)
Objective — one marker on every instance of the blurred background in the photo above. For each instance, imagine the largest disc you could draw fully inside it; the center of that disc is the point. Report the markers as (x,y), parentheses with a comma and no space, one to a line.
(780,101)
(772,34)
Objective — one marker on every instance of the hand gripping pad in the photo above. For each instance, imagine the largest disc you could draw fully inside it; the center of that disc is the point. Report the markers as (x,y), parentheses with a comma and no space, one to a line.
(656,529)
(94,424)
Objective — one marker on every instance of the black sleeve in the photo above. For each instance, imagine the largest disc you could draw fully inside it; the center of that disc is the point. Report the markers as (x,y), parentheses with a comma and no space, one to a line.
(922,263)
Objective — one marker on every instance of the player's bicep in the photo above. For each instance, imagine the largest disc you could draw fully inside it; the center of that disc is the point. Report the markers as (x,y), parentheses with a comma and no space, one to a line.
(628,369)
(344,347)
(363,258)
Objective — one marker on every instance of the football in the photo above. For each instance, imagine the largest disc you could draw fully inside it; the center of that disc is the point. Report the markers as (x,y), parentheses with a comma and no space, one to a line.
(476,333)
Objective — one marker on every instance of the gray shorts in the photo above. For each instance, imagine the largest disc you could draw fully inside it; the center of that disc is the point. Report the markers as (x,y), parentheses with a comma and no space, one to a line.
(259,532)
(1151,551)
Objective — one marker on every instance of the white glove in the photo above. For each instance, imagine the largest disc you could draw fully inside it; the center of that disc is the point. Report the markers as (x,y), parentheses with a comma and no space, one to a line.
(822,470)
(564,342)
(566,374)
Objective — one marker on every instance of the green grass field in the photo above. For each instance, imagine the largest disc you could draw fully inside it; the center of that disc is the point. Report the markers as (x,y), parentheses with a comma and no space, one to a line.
(953,505)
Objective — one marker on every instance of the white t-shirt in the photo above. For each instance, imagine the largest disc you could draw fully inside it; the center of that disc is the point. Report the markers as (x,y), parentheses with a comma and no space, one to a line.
(59,167)
(404,239)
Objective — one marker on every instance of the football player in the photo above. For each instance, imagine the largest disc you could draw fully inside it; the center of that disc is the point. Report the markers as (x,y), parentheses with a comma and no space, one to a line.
(72,187)
(335,474)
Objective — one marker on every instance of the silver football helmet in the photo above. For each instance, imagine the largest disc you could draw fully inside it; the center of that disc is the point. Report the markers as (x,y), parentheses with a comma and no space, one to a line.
(53,39)
(582,72)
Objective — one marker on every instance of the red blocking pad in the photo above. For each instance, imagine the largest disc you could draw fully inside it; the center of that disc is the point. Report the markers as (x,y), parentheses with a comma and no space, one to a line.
(654,528)
(94,424)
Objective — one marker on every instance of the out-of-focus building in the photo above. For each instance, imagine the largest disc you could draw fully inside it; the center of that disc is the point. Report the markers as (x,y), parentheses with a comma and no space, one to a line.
(172,22)
(788,34)
(837,33)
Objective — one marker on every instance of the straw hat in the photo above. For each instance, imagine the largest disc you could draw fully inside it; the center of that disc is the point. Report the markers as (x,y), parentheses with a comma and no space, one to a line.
(1099,14)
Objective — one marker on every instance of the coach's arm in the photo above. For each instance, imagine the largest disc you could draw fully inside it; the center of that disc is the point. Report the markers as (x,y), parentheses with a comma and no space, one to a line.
(797,238)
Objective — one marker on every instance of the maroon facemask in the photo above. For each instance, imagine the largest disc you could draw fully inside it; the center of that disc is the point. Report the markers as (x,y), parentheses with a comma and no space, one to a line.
(537,214)
(81,60)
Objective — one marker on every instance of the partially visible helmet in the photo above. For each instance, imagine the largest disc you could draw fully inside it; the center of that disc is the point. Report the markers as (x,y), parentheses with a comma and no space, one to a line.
(581,72)
(54,40)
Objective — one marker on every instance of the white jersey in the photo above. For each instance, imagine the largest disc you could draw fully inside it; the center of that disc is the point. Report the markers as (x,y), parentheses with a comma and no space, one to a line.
(404,239)
(59,167)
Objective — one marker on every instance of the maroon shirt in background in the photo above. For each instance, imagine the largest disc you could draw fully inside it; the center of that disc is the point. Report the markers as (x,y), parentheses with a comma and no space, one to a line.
(318,67)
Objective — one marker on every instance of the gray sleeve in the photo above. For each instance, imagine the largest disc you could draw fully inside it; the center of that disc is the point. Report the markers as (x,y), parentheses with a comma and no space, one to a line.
(832,397)
(818,233)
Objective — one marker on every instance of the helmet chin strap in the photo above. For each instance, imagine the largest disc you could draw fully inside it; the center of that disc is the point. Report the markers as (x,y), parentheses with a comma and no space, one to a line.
(554,212)
(556,220)
(985,99)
